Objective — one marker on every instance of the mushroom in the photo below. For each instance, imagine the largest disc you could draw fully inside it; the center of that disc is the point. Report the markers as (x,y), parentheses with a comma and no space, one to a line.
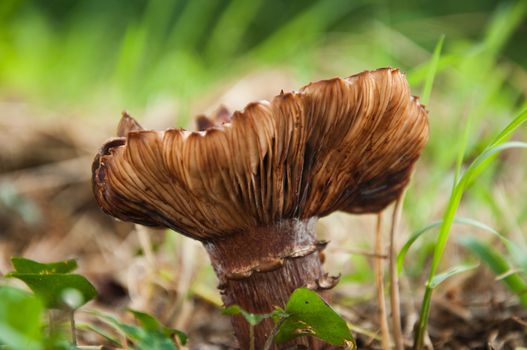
(252,186)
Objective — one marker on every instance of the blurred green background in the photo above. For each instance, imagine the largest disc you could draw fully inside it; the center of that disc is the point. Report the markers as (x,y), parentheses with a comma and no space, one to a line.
(128,53)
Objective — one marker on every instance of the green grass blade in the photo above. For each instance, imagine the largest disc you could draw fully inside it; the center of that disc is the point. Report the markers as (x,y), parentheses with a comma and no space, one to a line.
(484,160)
(507,132)
(499,265)
(220,49)
(432,70)
(463,147)
(303,30)
(440,278)
(419,74)
(473,170)
(185,34)
(503,25)
(464,221)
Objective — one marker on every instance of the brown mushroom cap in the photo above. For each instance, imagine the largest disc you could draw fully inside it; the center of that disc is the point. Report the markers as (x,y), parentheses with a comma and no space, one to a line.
(340,144)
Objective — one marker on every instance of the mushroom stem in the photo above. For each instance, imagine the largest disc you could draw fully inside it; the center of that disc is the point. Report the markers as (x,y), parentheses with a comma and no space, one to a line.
(379,281)
(259,270)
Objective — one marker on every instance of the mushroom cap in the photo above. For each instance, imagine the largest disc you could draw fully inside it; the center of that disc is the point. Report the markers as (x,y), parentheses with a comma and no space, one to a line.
(339,144)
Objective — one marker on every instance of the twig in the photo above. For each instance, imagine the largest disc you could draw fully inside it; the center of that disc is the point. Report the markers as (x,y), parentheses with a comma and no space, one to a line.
(383,318)
(361,252)
(394,278)
(519,321)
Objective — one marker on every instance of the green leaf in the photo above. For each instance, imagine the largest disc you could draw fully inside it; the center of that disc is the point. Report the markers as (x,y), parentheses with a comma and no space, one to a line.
(309,314)
(440,278)
(53,283)
(23,265)
(144,338)
(253,319)
(92,327)
(20,319)
(148,322)
(56,289)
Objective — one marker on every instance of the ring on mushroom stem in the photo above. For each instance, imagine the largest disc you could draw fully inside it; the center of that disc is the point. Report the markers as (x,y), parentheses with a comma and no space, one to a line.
(251,186)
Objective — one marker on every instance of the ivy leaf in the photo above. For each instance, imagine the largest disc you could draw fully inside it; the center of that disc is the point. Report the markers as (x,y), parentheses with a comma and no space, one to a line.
(310,315)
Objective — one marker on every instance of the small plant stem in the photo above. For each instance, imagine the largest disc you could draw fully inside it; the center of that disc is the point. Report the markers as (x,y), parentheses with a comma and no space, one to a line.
(379,278)
(394,278)
(423,319)
(73,328)
(251,337)
(269,342)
